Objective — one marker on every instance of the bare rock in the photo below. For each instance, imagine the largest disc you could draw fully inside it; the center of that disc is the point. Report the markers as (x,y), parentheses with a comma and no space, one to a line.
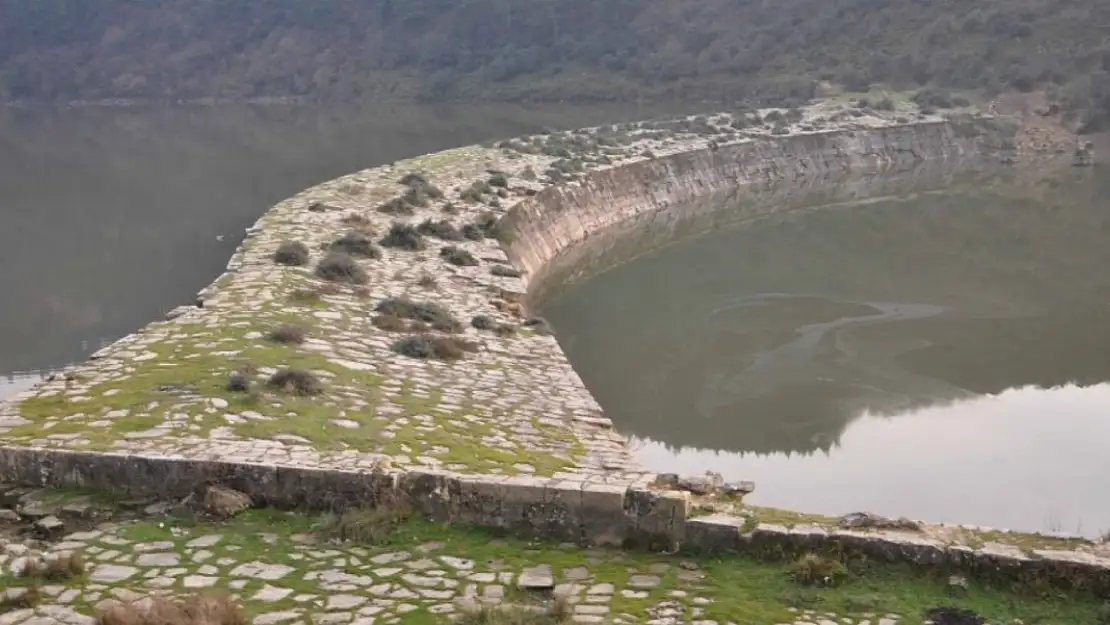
(225,502)
(866,520)
(50,527)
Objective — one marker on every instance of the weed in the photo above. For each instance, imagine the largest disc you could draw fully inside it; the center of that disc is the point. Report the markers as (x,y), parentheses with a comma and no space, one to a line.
(458,256)
(403,236)
(816,570)
(435,315)
(341,267)
(427,281)
(451,209)
(296,381)
(356,244)
(291,253)
(367,526)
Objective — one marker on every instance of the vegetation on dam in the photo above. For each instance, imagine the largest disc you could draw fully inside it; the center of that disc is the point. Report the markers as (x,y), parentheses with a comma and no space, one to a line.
(551,49)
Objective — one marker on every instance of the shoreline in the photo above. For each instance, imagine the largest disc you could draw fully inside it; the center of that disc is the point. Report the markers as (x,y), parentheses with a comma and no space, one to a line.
(488,424)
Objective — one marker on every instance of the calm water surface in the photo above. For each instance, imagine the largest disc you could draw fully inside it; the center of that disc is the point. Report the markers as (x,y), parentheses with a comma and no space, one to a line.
(942,356)
(109,217)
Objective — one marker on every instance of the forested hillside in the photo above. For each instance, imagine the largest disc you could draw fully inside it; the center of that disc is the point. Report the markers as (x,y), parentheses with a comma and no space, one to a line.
(547,49)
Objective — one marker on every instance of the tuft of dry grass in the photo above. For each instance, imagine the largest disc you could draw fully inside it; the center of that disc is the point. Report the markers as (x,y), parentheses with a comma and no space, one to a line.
(368,526)
(288,333)
(427,281)
(198,609)
(296,381)
(20,598)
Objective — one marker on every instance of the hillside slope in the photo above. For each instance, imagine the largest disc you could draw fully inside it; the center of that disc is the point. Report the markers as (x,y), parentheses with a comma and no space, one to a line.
(546,49)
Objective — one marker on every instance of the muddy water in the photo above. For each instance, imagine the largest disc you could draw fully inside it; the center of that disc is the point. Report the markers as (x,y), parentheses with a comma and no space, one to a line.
(111,216)
(941,356)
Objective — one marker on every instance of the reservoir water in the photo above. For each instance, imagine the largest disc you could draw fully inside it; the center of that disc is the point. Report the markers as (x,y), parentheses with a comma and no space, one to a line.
(111,216)
(943,356)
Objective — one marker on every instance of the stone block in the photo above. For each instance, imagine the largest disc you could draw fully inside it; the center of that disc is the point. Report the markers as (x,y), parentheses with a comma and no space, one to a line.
(715,533)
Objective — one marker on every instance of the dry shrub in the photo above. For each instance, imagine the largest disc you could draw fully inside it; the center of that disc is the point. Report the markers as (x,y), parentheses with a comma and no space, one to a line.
(198,609)
(291,253)
(427,281)
(356,244)
(287,333)
(404,237)
(458,256)
(296,381)
(341,267)
(63,565)
(20,598)
(389,323)
(430,313)
(356,220)
(425,346)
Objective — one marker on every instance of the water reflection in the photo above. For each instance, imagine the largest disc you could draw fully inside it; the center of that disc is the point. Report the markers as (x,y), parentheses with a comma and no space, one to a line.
(833,341)
(1028,458)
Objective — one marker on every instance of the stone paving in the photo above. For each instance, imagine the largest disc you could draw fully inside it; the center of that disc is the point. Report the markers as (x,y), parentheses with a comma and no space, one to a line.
(511,406)
(284,574)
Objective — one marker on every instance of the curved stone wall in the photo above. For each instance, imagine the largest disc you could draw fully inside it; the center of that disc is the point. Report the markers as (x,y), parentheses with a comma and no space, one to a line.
(500,431)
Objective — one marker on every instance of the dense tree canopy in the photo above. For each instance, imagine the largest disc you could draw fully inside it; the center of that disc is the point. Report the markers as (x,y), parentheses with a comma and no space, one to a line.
(547,49)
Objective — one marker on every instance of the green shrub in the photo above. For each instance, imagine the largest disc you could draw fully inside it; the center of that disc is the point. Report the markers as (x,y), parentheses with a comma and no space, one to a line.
(816,570)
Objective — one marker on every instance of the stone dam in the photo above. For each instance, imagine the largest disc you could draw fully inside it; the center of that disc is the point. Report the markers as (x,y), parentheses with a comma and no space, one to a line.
(371,339)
